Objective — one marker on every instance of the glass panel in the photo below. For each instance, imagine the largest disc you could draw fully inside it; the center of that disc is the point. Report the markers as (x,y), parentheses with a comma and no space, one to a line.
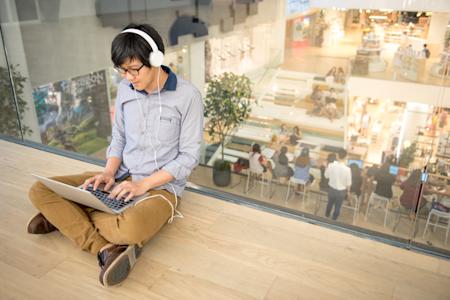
(9,124)
(322,79)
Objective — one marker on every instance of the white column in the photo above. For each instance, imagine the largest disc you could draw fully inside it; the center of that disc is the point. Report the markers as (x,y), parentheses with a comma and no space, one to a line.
(197,65)
(414,116)
(438,27)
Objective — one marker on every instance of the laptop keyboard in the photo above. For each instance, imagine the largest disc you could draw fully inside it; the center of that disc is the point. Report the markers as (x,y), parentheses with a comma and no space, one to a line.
(114,204)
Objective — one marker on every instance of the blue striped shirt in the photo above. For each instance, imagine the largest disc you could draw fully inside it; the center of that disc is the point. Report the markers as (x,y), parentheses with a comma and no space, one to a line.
(147,140)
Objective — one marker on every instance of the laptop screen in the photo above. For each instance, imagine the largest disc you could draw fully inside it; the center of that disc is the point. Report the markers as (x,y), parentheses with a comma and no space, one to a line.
(356,161)
(393,170)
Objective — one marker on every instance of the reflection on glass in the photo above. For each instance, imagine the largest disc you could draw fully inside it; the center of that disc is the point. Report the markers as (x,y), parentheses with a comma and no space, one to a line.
(9,124)
(73,114)
(374,82)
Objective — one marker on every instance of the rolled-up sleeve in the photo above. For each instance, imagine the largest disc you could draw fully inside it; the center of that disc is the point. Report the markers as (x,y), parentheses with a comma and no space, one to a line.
(191,136)
(117,144)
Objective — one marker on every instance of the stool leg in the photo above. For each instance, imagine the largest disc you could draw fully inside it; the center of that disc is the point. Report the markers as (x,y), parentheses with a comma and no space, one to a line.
(248,183)
(368,207)
(426,226)
(262,186)
(304,195)
(386,213)
(287,194)
(355,210)
(448,229)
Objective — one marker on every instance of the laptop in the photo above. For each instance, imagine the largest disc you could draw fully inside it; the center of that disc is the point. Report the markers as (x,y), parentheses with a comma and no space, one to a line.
(393,170)
(358,162)
(96,199)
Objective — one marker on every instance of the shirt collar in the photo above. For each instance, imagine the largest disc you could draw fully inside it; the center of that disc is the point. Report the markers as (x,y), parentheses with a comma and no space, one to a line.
(171,82)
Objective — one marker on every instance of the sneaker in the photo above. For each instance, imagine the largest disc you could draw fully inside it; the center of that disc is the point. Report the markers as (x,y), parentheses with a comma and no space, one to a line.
(38,224)
(116,263)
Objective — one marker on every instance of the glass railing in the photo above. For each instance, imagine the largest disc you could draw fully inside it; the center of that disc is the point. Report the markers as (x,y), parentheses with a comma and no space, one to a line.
(300,79)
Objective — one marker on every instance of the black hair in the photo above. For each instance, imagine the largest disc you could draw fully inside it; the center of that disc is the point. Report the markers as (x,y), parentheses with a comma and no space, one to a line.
(305,152)
(414,177)
(356,171)
(256,148)
(385,167)
(331,157)
(131,46)
(342,153)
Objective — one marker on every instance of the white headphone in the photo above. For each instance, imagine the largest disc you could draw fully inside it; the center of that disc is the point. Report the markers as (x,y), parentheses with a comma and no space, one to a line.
(156,57)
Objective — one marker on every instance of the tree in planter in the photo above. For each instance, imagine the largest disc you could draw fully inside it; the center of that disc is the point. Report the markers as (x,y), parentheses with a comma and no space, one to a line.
(407,156)
(8,116)
(227,104)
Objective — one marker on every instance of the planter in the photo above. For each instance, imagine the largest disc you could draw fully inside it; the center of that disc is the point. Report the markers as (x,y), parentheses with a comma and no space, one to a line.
(221,177)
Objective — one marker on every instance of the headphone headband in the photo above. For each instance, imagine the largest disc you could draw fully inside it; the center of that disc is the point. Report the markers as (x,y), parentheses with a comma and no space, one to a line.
(156,57)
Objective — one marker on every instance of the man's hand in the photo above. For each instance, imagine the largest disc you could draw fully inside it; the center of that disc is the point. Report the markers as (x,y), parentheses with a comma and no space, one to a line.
(106,178)
(129,189)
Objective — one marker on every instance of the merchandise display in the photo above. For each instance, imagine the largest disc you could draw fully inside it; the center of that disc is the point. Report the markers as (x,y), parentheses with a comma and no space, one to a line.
(442,68)
(443,149)
(368,58)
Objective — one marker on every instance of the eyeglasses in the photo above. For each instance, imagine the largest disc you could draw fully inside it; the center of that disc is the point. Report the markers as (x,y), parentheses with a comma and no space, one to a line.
(132,72)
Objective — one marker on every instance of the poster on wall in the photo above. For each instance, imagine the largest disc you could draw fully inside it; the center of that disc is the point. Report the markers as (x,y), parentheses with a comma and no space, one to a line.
(296,6)
(74,114)
(301,27)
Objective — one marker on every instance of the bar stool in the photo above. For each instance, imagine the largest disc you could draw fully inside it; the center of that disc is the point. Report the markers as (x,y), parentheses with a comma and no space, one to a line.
(438,214)
(258,177)
(374,197)
(299,182)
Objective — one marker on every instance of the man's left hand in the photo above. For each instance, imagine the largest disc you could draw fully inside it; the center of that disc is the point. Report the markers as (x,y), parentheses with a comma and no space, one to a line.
(128,190)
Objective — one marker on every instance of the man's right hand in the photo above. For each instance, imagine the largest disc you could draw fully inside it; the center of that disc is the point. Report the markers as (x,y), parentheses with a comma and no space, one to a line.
(106,178)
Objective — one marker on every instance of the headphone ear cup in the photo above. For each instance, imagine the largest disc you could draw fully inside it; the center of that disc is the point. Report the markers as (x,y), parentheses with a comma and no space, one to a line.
(156,58)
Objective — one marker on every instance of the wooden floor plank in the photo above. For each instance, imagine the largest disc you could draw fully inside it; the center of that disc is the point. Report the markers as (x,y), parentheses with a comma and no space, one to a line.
(219,250)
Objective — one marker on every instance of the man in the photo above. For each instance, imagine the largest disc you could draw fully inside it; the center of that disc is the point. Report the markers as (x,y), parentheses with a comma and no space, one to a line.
(425,51)
(156,138)
(340,181)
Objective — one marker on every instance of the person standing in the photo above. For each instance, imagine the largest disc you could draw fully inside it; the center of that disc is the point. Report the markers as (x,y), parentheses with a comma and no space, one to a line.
(425,51)
(340,181)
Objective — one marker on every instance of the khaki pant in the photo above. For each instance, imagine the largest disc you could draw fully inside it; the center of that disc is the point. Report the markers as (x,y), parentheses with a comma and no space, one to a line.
(91,229)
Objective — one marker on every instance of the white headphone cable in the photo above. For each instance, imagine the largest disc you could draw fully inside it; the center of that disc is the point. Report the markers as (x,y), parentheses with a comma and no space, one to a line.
(175,212)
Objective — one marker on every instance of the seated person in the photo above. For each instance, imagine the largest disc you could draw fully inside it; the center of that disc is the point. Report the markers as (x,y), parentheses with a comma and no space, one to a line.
(331,97)
(340,76)
(323,184)
(329,111)
(332,72)
(283,134)
(411,189)
(257,161)
(385,181)
(282,169)
(295,136)
(302,166)
(357,180)
(316,95)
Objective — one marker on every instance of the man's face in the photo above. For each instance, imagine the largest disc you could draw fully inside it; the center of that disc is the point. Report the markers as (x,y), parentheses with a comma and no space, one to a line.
(138,74)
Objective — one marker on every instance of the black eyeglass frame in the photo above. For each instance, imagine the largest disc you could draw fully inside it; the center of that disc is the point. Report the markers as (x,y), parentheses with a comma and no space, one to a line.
(132,72)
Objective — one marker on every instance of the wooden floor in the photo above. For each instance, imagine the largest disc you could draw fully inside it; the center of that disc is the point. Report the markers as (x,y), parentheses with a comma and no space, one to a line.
(218,251)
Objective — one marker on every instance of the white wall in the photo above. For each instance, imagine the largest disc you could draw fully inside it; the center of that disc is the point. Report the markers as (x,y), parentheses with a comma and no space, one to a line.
(400,91)
(406,5)
(438,27)
(70,8)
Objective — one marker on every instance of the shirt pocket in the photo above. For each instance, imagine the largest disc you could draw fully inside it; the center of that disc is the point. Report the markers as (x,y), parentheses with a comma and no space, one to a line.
(169,128)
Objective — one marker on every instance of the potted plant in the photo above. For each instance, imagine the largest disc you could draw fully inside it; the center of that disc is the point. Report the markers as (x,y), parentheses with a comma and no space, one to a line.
(9,124)
(227,104)
(407,155)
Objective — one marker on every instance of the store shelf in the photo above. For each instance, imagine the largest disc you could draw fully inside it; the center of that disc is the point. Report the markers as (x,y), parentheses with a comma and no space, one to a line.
(443,149)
